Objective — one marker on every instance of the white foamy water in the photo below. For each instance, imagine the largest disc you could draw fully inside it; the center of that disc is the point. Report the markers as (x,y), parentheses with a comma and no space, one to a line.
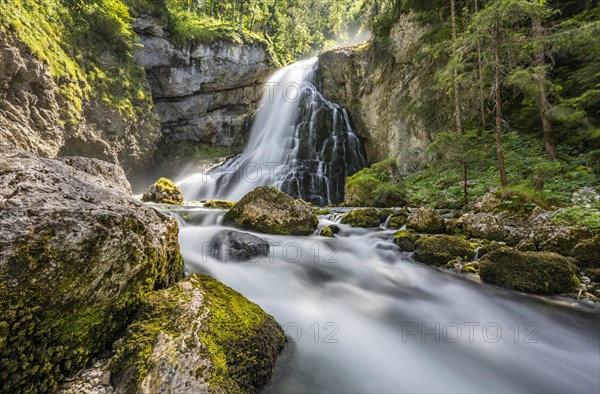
(364,317)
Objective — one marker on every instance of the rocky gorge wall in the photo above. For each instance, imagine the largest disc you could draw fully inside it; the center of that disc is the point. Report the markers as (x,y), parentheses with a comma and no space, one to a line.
(33,116)
(204,93)
(386,86)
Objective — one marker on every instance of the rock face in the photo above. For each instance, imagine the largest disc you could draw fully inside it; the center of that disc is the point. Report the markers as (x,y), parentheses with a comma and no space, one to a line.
(203,93)
(163,191)
(386,88)
(441,249)
(78,253)
(196,337)
(31,117)
(493,227)
(531,272)
(269,210)
(426,220)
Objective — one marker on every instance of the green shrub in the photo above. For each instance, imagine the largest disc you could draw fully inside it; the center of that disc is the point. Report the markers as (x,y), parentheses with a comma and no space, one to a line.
(377,185)
(586,217)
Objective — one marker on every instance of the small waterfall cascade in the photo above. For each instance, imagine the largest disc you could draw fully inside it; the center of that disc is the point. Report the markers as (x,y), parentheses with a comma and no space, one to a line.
(300,142)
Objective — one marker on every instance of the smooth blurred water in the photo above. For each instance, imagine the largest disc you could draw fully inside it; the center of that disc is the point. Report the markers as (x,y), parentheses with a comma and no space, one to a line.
(355,307)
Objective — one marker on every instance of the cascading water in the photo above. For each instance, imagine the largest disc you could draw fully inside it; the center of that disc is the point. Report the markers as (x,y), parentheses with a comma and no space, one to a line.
(363,317)
(300,142)
(360,315)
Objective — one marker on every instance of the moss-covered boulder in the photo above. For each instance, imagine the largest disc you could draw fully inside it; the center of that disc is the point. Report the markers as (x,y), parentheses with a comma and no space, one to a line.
(327,232)
(493,227)
(269,210)
(198,336)
(560,239)
(426,220)
(397,220)
(78,253)
(218,204)
(487,247)
(405,239)
(440,249)
(587,252)
(376,186)
(368,218)
(163,191)
(530,272)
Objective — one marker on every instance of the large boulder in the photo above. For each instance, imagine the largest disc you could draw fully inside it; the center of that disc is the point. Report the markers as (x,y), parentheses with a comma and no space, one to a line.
(368,217)
(238,246)
(268,210)
(587,252)
(441,249)
(196,337)
(78,253)
(559,238)
(405,239)
(163,191)
(530,272)
(426,220)
(493,227)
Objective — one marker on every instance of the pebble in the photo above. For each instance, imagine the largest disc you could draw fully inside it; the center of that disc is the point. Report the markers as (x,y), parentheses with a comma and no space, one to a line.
(94,380)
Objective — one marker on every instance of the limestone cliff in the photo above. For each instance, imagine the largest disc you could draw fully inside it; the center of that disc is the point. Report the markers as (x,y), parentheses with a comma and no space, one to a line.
(386,86)
(39,115)
(204,93)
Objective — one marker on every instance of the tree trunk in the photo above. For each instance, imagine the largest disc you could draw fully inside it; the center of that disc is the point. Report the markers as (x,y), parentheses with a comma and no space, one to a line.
(480,77)
(499,151)
(240,26)
(465,182)
(457,109)
(542,93)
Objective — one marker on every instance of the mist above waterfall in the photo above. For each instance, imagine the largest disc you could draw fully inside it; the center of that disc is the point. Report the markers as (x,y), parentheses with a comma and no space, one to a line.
(300,143)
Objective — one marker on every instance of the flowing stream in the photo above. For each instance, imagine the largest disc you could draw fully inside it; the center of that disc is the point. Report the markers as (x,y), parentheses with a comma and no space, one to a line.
(360,315)
(363,317)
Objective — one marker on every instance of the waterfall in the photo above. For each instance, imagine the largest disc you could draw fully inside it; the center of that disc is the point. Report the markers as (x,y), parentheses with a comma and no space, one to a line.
(300,143)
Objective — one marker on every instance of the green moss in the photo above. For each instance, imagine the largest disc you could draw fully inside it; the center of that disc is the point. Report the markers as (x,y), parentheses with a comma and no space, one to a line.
(469,269)
(57,312)
(271,211)
(219,204)
(440,249)
(579,216)
(164,191)
(88,47)
(368,217)
(320,212)
(239,339)
(531,272)
(375,186)
(327,232)
(406,239)
(398,219)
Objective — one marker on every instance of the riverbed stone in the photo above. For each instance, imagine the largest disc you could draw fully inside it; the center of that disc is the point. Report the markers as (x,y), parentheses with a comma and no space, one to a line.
(268,210)
(587,252)
(405,239)
(163,191)
(239,246)
(530,272)
(367,217)
(426,220)
(198,336)
(440,249)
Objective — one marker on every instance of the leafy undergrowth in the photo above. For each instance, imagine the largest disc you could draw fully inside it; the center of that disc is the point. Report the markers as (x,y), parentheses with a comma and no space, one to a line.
(586,217)
(88,46)
(533,179)
(377,185)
